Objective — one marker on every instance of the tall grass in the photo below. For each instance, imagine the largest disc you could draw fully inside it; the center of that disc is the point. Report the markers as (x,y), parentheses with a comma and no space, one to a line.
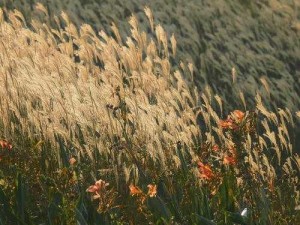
(257,38)
(80,106)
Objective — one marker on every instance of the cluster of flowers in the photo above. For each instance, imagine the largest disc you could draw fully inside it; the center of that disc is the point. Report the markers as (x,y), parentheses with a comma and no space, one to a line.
(99,191)
(101,185)
(136,191)
(233,120)
(230,157)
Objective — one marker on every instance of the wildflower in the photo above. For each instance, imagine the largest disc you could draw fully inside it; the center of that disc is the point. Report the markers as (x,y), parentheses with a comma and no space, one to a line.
(152,190)
(239,115)
(228,124)
(5,145)
(72,161)
(229,160)
(215,148)
(205,171)
(100,185)
(231,122)
(134,190)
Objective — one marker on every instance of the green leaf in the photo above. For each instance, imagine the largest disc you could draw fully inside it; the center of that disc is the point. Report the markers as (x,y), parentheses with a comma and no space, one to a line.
(158,206)
(205,221)
(7,214)
(55,207)
(81,211)
(237,218)
(20,197)
(80,218)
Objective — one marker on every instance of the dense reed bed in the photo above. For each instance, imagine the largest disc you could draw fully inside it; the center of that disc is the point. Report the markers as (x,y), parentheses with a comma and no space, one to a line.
(260,39)
(104,129)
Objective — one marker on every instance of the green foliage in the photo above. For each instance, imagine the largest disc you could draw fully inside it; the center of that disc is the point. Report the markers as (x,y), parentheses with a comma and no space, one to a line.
(179,200)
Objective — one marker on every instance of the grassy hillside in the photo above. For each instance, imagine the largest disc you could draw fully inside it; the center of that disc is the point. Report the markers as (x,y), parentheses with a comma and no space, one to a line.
(260,39)
(97,128)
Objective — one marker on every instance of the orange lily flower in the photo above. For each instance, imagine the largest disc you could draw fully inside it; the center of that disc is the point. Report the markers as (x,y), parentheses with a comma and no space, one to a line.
(134,190)
(4,144)
(215,148)
(229,160)
(98,186)
(152,190)
(205,171)
(227,124)
(239,115)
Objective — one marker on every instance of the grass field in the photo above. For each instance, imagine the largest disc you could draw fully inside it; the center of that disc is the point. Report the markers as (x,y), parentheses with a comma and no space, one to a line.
(100,128)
